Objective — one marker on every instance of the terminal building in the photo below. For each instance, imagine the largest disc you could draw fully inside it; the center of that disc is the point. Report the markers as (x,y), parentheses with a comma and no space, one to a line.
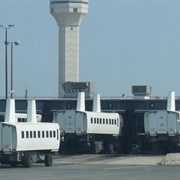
(132,108)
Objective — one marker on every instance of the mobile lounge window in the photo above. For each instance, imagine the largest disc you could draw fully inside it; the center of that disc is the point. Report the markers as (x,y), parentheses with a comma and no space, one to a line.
(34,134)
(42,134)
(27,134)
(22,134)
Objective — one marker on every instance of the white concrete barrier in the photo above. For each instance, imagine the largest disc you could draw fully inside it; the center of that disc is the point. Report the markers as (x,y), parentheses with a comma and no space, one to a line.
(171,159)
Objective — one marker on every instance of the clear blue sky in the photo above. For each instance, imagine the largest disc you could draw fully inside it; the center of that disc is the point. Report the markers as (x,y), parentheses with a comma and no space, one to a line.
(122,43)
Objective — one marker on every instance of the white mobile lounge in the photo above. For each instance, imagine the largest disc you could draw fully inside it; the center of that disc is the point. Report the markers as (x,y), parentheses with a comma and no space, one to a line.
(27,143)
(162,127)
(92,131)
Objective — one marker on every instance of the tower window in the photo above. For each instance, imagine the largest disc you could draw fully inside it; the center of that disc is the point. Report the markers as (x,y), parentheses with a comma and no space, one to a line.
(75,9)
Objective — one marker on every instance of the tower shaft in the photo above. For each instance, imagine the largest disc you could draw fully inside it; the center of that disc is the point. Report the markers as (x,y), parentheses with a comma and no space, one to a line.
(68,15)
(68,55)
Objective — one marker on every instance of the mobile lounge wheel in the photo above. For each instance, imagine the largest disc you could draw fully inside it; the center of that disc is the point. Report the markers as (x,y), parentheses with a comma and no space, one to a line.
(27,162)
(96,149)
(110,149)
(28,139)
(13,164)
(48,160)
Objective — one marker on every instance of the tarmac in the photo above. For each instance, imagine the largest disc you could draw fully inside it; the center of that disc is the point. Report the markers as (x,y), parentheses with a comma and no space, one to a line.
(95,167)
(111,159)
(168,159)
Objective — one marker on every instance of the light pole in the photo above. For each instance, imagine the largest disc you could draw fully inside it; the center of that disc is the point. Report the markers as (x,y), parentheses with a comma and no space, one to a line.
(15,43)
(6,61)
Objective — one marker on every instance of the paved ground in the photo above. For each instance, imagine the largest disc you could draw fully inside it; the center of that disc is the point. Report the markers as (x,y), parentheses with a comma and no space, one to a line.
(95,167)
(110,159)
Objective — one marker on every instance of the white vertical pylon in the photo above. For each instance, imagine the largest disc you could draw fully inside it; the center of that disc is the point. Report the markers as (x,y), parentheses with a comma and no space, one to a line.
(81,102)
(10,111)
(31,111)
(171,101)
(96,103)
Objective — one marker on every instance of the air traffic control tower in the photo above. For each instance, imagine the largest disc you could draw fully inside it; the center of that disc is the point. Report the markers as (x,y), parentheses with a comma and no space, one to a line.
(68,15)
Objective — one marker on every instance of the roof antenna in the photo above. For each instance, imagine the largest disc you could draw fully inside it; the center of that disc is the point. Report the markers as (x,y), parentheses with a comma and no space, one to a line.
(26,93)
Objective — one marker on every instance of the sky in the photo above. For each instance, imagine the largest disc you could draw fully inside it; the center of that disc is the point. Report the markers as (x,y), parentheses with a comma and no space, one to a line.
(122,43)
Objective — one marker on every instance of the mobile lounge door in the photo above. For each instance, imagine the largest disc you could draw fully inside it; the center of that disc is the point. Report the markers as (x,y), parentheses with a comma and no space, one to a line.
(70,122)
(7,138)
(161,119)
(80,122)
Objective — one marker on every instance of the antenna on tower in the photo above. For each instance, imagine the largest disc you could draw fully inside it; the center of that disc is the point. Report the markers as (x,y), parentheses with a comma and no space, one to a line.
(26,93)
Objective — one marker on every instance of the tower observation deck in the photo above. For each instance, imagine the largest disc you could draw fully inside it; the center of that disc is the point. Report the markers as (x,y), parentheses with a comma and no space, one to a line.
(68,15)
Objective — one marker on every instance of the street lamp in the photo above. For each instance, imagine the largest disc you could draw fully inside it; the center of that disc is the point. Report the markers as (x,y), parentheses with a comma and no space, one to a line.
(15,43)
(6,61)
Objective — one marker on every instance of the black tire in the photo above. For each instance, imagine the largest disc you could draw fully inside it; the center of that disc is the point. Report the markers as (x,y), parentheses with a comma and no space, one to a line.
(96,148)
(27,162)
(48,160)
(13,164)
(156,148)
(110,149)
